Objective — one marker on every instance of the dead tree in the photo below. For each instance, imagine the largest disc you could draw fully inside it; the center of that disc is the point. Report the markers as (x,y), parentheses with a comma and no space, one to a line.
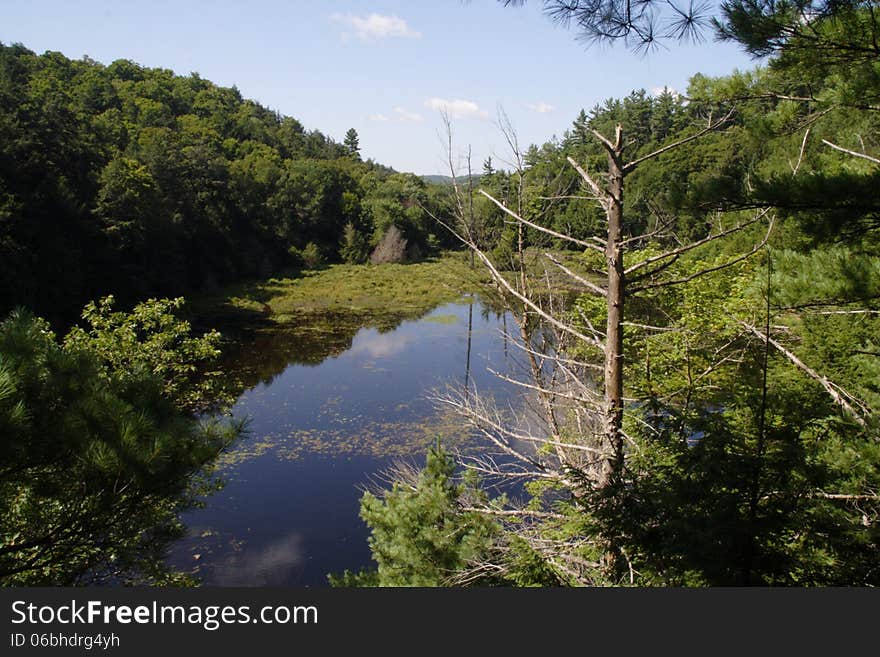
(576,439)
(619,281)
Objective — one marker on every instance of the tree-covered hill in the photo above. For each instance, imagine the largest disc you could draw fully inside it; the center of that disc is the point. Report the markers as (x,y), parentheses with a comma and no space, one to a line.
(138,182)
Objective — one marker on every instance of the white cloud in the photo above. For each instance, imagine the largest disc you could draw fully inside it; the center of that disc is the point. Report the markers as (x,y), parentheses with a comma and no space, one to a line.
(375,26)
(458,108)
(405,116)
(379,118)
(541,107)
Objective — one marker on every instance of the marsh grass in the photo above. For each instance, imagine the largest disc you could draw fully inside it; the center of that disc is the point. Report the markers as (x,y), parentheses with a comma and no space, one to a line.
(381,293)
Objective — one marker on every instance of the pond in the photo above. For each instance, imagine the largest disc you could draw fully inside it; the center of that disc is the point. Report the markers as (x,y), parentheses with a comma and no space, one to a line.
(327,414)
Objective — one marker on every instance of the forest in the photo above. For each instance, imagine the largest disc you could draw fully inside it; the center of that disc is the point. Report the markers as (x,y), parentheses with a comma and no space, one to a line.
(140,183)
(694,278)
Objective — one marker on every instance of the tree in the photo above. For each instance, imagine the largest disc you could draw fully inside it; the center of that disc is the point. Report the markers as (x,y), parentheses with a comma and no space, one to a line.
(641,25)
(420,536)
(699,414)
(353,249)
(98,463)
(351,143)
(732,461)
(136,182)
(602,474)
(827,29)
(151,340)
(762,27)
(391,248)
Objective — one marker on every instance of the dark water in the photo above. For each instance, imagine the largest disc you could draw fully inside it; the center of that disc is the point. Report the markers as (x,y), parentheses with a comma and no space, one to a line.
(324,421)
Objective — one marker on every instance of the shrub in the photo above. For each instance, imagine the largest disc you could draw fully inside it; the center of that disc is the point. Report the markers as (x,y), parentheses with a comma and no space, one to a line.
(353,248)
(311,256)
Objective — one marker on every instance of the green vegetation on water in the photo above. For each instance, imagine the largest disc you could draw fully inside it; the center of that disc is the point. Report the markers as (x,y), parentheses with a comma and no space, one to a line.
(372,295)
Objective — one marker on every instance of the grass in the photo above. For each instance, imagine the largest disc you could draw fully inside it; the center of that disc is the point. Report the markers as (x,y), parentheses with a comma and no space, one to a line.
(399,291)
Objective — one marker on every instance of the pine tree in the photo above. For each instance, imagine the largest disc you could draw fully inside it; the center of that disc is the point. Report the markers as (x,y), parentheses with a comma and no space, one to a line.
(419,537)
(354,248)
(97,463)
(352,143)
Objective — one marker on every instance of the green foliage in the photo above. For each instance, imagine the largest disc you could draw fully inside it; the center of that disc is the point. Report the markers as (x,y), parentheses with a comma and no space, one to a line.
(353,249)
(97,464)
(419,535)
(151,341)
(837,274)
(504,253)
(311,256)
(352,143)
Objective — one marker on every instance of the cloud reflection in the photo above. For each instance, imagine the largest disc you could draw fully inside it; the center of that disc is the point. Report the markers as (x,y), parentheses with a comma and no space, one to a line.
(379,345)
(275,564)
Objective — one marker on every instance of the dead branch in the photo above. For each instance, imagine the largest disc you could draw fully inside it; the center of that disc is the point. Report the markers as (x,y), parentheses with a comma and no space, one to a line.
(601,194)
(849,152)
(707,270)
(537,227)
(797,166)
(840,396)
(514,513)
(681,142)
(580,279)
(693,245)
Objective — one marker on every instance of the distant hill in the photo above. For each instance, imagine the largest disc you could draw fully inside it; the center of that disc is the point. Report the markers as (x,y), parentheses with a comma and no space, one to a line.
(447,180)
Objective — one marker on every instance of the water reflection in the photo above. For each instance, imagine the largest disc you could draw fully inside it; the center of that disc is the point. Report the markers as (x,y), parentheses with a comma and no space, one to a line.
(378,345)
(270,565)
(320,428)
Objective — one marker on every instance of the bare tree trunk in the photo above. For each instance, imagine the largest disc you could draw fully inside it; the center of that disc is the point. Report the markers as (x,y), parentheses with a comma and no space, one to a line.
(616,292)
(472,227)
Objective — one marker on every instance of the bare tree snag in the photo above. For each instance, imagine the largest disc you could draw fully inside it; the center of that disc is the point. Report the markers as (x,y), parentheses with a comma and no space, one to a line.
(615,298)
(576,438)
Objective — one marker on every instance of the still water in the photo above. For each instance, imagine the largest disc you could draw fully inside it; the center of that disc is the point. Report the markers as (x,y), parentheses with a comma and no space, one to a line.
(327,414)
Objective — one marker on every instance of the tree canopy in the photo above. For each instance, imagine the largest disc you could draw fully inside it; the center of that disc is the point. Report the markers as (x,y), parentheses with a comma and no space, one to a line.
(137,182)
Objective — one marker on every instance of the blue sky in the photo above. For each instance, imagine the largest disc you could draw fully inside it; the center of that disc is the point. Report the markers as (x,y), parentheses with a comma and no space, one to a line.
(381,67)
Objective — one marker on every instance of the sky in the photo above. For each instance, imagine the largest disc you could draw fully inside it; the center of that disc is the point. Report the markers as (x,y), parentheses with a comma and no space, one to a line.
(384,68)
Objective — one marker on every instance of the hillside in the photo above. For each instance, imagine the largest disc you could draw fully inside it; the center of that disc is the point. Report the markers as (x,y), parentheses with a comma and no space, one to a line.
(139,182)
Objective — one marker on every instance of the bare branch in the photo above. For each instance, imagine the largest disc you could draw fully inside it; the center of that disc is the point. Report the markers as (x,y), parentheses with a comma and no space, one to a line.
(849,152)
(601,195)
(530,224)
(681,142)
(525,300)
(611,148)
(797,166)
(554,393)
(708,270)
(645,236)
(580,279)
(840,396)
(843,496)
(846,312)
(519,513)
(693,245)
